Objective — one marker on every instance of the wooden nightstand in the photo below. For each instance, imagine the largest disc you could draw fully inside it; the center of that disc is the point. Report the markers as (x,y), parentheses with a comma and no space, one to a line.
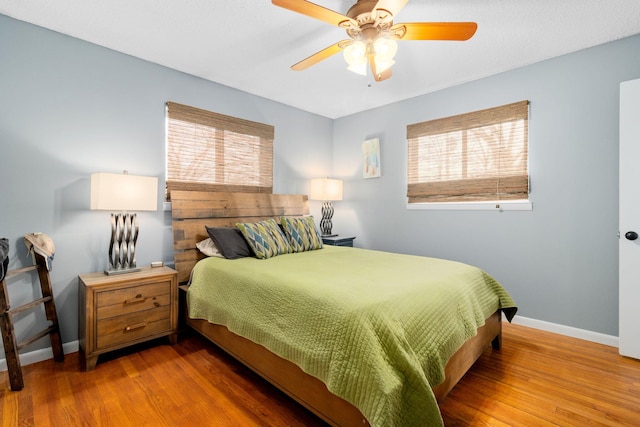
(338,241)
(125,309)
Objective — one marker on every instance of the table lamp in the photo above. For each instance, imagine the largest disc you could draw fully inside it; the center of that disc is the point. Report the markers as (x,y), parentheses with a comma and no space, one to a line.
(327,190)
(124,193)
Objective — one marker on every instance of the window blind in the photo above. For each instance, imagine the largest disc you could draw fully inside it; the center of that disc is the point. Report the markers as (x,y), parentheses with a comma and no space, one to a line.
(477,156)
(210,151)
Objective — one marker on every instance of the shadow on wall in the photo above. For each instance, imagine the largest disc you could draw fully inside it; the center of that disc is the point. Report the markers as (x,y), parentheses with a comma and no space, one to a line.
(72,208)
(70,201)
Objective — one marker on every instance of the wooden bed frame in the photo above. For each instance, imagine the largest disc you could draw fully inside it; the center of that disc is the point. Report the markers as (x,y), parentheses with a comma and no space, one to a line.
(192,210)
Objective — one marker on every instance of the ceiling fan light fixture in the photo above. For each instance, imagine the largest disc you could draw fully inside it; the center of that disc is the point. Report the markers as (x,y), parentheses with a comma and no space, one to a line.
(383,64)
(358,68)
(355,53)
(356,56)
(385,48)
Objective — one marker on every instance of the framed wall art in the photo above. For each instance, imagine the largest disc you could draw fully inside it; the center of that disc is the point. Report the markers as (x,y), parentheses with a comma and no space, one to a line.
(371,158)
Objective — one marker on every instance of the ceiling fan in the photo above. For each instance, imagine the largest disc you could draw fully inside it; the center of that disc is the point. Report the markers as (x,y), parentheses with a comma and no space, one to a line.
(373,35)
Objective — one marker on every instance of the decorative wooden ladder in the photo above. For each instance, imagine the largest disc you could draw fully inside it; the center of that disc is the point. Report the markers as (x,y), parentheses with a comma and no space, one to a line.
(11,346)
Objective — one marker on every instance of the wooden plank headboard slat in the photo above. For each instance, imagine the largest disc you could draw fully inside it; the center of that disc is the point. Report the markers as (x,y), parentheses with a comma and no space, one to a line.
(184,263)
(258,200)
(197,212)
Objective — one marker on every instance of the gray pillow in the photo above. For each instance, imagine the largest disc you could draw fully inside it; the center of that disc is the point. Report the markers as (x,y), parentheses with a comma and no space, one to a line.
(230,242)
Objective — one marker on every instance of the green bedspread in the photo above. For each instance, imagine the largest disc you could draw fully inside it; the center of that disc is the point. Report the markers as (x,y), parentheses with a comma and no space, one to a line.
(377,328)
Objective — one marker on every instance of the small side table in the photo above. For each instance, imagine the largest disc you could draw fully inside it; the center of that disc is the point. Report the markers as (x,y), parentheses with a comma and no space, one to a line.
(125,309)
(338,241)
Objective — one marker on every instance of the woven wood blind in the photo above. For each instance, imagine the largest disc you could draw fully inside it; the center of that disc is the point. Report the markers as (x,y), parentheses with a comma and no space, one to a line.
(210,151)
(478,156)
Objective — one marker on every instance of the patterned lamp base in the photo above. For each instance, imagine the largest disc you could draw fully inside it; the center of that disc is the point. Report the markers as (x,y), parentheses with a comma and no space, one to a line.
(325,222)
(122,248)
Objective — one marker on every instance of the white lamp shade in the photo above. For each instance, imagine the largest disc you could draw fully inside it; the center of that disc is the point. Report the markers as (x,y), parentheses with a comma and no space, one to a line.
(326,189)
(123,192)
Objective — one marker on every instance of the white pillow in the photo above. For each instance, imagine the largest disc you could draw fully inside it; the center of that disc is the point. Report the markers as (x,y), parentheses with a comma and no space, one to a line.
(208,248)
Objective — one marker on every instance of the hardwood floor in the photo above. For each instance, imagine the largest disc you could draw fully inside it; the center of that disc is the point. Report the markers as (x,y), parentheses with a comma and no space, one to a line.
(537,379)
(545,379)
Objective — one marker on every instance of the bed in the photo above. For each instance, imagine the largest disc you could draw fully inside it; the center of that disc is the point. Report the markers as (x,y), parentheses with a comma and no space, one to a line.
(382,372)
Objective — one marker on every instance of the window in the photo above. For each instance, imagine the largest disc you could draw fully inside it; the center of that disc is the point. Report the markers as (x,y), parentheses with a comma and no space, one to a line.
(473,157)
(210,151)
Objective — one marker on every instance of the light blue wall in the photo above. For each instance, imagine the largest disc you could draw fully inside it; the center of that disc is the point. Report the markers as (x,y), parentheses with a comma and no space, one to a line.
(69,108)
(560,260)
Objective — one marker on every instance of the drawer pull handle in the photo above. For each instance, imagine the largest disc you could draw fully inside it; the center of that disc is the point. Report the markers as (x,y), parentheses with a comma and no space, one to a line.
(138,299)
(136,326)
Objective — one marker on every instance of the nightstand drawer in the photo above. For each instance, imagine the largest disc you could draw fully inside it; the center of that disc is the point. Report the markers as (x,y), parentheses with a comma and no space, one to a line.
(130,327)
(130,300)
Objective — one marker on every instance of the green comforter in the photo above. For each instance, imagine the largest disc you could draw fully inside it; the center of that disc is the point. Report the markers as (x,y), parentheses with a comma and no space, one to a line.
(377,328)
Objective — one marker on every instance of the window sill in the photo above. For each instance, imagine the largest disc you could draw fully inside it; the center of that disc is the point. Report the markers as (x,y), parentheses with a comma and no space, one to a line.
(515,205)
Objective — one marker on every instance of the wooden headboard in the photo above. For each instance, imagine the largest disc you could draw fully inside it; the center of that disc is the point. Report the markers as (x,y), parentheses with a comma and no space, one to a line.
(192,210)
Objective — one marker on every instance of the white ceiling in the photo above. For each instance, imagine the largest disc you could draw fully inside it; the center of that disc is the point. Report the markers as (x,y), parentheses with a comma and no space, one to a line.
(250,44)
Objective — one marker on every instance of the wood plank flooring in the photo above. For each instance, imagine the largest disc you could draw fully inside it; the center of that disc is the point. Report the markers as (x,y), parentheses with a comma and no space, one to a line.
(537,379)
(545,379)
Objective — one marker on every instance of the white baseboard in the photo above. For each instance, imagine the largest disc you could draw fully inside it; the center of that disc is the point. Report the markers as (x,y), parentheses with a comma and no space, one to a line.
(569,331)
(41,354)
(71,347)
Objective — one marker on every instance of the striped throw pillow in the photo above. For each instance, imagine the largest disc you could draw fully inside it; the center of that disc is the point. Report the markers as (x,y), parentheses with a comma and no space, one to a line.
(265,238)
(301,233)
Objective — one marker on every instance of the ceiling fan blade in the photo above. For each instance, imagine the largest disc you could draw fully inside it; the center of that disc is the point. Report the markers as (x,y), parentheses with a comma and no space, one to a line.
(378,76)
(383,75)
(392,6)
(315,11)
(435,30)
(321,55)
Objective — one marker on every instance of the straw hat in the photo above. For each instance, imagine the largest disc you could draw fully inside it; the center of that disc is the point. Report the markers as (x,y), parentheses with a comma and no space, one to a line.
(41,244)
